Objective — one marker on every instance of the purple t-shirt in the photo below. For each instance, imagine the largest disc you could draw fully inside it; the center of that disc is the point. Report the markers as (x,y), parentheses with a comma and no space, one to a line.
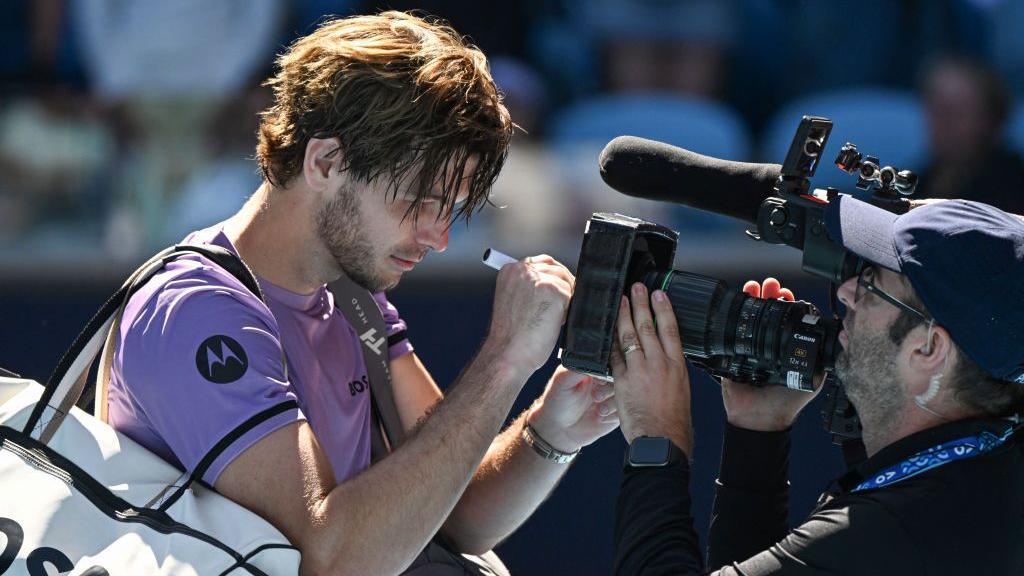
(199,357)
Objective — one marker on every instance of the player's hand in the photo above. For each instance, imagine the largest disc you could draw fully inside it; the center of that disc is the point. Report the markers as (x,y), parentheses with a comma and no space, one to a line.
(530,302)
(652,387)
(767,408)
(574,411)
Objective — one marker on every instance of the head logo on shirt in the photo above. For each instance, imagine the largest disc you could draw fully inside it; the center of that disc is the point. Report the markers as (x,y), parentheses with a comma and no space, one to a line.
(221,359)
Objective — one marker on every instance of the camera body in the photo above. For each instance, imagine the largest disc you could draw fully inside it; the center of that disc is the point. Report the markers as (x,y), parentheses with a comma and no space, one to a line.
(727,332)
(616,250)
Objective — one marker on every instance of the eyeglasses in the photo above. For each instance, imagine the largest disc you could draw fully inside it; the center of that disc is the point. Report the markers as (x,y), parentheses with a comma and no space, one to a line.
(865,282)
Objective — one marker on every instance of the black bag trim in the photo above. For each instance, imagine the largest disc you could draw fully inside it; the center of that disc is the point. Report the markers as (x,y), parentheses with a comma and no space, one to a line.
(225,443)
(51,462)
(222,257)
(71,354)
(397,337)
(245,561)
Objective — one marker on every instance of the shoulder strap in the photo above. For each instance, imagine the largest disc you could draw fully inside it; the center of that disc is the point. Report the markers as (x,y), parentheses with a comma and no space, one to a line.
(363,313)
(69,380)
(223,258)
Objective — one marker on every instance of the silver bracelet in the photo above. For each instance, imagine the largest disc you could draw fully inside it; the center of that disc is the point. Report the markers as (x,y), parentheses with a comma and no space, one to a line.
(546,450)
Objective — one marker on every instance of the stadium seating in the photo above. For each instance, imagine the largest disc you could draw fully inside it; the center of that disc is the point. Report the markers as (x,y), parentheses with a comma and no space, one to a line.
(579,132)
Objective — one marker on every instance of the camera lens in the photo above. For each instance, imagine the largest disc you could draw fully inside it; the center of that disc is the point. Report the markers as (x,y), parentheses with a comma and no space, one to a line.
(696,300)
(812,147)
(746,339)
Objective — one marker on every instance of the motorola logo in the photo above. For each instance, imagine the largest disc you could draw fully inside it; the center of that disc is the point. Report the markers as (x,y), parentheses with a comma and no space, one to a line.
(221,359)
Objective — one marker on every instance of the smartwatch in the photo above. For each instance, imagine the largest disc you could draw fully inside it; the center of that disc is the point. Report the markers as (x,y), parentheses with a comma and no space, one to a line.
(652,452)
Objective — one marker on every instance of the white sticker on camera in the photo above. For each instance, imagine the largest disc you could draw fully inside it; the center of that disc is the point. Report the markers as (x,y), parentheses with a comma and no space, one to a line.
(793,380)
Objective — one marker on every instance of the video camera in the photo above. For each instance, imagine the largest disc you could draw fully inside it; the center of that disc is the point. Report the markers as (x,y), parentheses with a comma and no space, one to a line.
(727,332)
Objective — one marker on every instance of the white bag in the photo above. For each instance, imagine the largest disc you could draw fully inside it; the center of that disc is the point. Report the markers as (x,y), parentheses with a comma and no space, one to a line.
(86,500)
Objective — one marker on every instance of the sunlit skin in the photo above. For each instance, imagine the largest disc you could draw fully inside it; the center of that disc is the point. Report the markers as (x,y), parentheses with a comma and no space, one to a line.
(373,237)
(327,223)
(764,408)
(883,378)
(867,365)
(653,386)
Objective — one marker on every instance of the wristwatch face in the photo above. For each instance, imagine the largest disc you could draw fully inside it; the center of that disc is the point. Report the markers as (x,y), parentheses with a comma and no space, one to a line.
(649,451)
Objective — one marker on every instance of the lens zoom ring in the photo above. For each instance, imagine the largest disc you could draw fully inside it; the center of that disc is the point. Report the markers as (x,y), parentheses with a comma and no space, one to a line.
(695,299)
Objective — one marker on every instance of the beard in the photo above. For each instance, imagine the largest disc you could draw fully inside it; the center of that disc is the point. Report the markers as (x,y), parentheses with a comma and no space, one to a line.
(340,227)
(867,370)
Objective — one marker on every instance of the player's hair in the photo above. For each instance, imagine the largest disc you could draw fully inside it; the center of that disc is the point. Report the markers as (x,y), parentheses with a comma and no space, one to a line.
(409,100)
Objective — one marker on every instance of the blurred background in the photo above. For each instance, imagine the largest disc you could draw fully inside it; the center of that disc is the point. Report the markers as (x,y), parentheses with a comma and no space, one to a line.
(125,125)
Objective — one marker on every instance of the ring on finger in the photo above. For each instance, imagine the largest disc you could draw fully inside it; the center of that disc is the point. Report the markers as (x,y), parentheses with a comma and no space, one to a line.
(630,348)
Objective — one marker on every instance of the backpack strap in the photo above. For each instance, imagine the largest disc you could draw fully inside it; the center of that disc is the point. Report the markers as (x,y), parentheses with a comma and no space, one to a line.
(363,313)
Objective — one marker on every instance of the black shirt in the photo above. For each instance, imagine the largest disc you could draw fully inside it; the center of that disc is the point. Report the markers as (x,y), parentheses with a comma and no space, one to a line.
(964,517)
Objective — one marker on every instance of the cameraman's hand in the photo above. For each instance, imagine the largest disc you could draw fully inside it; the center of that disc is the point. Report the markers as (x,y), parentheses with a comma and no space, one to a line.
(530,302)
(652,387)
(767,408)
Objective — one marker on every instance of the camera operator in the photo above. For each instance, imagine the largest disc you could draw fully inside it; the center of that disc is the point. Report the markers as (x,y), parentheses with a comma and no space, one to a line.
(933,361)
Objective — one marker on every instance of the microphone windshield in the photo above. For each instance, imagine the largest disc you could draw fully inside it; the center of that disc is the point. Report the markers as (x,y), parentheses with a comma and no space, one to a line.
(658,171)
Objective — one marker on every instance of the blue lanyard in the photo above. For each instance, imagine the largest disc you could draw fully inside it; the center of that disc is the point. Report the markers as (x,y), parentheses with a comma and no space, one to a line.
(936,456)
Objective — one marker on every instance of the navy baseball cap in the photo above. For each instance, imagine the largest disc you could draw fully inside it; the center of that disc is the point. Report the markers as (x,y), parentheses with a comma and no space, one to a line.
(965,260)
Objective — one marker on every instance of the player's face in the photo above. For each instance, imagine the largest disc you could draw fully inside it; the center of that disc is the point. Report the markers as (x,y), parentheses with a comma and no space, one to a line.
(372,239)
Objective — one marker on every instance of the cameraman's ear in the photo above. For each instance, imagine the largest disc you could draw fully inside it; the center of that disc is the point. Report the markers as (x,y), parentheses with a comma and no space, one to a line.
(323,160)
(931,349)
